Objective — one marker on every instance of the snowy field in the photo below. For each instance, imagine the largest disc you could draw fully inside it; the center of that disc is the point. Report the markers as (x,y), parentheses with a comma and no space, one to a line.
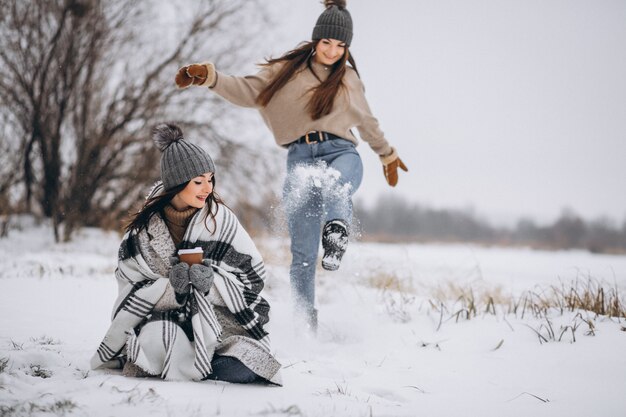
(379,352)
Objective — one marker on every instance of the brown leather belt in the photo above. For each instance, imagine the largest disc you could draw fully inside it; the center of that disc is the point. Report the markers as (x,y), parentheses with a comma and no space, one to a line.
(316,137)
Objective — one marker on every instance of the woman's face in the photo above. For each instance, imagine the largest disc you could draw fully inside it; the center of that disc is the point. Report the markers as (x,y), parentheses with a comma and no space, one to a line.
(195,193)
(329,51)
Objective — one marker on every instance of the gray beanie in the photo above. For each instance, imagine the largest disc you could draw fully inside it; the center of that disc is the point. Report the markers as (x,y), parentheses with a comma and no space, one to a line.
(334,23)
(181,161)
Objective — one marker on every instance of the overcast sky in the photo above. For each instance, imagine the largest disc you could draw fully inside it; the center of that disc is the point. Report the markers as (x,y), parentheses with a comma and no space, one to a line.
(512,108)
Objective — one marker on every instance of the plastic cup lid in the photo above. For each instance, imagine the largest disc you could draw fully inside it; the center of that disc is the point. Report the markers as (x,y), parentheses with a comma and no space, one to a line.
(197,249)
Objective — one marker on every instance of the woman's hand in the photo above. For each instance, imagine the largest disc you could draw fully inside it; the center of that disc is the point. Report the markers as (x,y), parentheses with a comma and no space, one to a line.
(201,276)
(179,280)
(391,163)
(196,74)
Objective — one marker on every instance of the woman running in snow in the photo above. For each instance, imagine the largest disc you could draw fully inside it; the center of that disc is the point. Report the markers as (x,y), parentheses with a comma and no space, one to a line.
(311,98)
(181,322)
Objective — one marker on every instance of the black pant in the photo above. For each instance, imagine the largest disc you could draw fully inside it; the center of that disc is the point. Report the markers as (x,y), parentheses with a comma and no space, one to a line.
(229,369)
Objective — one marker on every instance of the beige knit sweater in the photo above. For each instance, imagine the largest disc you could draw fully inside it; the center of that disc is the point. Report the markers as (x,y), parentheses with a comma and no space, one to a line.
(286,114)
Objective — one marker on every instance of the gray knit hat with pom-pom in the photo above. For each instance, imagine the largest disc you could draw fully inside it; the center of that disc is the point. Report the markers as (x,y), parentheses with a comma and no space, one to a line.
(334,23)
(181,161)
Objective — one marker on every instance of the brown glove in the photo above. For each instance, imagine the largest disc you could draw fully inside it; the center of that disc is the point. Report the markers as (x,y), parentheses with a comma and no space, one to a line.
(196,74)
(391,163)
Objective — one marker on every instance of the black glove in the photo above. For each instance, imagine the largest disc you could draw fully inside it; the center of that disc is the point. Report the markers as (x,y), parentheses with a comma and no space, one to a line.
(201,276)
(179,279)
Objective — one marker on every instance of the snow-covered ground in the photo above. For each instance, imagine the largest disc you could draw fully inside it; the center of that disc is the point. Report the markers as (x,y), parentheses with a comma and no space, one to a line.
(379,352)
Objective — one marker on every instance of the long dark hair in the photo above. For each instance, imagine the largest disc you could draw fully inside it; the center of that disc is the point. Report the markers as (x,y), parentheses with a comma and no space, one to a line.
(155,205)
(323,97)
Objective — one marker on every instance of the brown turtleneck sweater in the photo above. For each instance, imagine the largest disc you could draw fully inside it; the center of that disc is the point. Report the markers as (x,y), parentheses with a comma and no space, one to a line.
(177,221)
(286,114)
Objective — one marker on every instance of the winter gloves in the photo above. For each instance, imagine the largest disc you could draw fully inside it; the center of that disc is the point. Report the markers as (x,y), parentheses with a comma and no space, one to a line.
(179,280)
(201,276)
(203,75)
(182,277)
(391,163)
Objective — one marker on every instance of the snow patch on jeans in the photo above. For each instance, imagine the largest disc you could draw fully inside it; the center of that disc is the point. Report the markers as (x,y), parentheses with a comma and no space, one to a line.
(319,184)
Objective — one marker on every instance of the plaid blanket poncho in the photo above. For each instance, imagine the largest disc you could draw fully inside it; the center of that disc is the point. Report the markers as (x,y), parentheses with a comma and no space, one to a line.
(179,344)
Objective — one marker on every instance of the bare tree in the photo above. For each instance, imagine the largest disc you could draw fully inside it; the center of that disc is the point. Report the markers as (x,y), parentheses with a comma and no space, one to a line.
(84,80)
(9,171)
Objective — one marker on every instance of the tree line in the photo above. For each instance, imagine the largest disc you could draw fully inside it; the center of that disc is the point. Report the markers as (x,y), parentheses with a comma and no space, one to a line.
(395,219)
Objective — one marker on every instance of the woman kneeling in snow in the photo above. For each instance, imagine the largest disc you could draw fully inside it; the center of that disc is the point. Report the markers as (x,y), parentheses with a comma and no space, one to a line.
(180,322)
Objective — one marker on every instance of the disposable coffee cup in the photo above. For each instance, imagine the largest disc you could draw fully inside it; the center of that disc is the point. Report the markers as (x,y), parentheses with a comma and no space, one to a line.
(191,256)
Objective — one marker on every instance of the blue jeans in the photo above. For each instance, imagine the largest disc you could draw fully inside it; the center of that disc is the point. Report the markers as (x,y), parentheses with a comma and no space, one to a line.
(321,179)
(226,368)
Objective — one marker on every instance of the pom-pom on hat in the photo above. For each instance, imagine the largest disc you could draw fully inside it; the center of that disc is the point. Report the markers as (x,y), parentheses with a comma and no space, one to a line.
(181,161)
(334,23)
